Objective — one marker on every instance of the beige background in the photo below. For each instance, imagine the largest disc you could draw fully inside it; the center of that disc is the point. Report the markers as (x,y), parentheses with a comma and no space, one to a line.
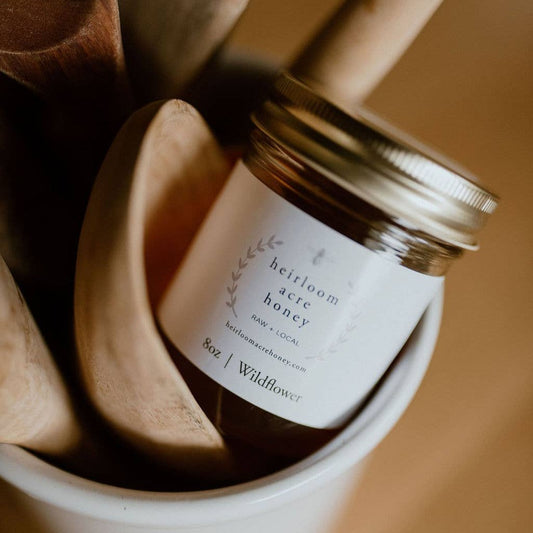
(461,458)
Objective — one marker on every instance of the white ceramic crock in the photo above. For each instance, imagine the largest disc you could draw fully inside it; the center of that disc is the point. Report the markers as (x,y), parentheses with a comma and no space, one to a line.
(305,498)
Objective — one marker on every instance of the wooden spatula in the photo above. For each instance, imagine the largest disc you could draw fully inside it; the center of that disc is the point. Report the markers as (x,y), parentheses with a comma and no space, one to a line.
(35,409)
(157,181)
(358,46)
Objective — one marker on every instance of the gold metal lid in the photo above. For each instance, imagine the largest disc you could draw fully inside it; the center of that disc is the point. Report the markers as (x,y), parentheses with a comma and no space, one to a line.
(377,162)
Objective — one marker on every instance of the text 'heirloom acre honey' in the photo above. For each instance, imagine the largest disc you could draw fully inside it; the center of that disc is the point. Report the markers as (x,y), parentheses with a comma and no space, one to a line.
(312,269)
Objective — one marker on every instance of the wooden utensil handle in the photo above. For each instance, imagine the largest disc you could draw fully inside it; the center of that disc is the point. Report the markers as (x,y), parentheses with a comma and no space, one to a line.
(359,45)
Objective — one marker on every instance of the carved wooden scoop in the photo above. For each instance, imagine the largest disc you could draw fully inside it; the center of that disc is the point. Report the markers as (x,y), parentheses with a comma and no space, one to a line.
(157,181)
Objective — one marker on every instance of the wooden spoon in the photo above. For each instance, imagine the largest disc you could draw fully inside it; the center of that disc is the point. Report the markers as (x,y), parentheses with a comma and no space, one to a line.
(358,46)
(157,181)
(169,41)
(35,409)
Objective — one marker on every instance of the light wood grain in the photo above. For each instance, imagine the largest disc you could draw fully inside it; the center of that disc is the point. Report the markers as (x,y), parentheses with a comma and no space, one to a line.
(159,177)
(35,410)
(356,48)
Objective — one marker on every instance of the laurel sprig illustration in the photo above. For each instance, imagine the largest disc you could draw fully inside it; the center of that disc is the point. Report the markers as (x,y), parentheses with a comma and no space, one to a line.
(342,338)
(344,335)
(243,262)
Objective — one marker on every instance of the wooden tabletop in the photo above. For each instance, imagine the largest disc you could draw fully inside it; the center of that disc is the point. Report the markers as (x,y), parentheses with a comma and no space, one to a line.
(461,457)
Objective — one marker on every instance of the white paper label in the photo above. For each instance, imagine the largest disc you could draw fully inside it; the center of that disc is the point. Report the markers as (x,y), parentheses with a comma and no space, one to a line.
(285,312)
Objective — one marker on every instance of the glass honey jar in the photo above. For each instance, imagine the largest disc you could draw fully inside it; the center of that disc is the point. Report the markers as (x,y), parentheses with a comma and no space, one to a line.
(312,269)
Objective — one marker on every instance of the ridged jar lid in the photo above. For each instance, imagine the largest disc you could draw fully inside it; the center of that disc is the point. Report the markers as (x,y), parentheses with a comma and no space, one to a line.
(378,163)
